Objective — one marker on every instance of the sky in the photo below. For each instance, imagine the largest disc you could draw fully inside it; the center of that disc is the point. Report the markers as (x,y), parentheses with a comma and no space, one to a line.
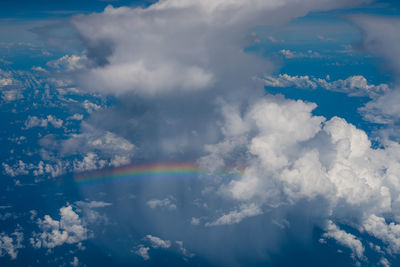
(200,133)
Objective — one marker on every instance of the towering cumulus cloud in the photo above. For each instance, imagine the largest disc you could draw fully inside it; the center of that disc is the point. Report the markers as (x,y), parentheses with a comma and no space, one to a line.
(176,45)
(186,90)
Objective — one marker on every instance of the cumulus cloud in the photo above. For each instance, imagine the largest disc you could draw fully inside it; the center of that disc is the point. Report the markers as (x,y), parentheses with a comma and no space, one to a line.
(20,168)
(68,63)
(143,252)
(353,86)
(168,203)
(292,156)
(157,242)
(292,54)
(183,250)
(90,211)
(75,262)
(100,148)
(68,230)
(345,239)
(11,88)
(237,216)
(34,121)
(10,244)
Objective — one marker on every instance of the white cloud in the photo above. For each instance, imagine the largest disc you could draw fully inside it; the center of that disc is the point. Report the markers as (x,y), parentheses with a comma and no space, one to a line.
(11,95)
(157,242)
(21,168)
(168,203)
(143,252)
(384,262)
(238,215)
(77,117)
(6,81)
(195,221)
(34,121)
(345,239)
(75,262)
(93,204)
(292,54)
(100,148)
(389,233)
(353,86)
(183,250)
(68,230)
(90,211)
(90,107)
(284,80)
(292,156)
(10,244)
(68,63)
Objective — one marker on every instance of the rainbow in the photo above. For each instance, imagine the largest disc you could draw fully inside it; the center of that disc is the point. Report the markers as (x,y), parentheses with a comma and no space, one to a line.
(136,171)
(145,170)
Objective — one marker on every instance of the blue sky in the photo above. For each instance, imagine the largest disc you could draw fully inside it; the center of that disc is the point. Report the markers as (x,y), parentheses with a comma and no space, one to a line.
(286,113)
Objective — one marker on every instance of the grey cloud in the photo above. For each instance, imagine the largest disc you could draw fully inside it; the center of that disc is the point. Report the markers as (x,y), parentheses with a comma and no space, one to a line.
(380,39)
(173,45)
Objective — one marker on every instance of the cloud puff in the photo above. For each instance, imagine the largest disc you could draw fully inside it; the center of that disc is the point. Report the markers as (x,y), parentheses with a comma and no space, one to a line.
(143,252)
(291,54)
(183,250)
(168,203)
(237,216)
(34,121)
(10,244)
(11,88)
(157,242)
(68,230)
(68,63)
(345,239)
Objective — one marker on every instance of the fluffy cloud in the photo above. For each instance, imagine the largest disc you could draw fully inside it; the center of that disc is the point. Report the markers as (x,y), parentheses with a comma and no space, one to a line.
(157,242)
(68,63)
(90,211)
(237,216)
(34,121)
(21,168)
(183,250)
(291,54)
(353,86)
(292,156)
(345,239)
(143,252)
(10,244)
(68,230)
(11,88)
(168,203)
